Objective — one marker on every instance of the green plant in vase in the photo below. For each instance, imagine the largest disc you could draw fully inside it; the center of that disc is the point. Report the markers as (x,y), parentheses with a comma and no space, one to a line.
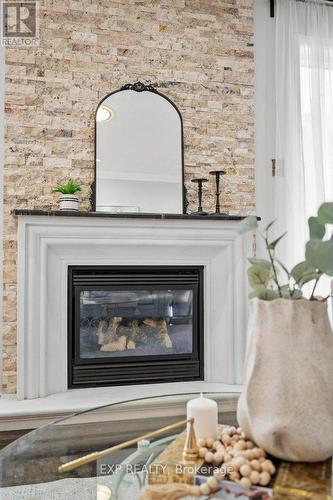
(270,279)
(70,187)
(68,199)
(286,406)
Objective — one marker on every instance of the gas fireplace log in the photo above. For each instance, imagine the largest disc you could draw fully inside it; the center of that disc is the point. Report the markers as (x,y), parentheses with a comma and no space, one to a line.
(112,331)
(116,346)
(156,332)
(102,326)
(118,335)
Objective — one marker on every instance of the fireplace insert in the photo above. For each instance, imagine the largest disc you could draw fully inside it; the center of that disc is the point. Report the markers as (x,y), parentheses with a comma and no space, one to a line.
(134,325)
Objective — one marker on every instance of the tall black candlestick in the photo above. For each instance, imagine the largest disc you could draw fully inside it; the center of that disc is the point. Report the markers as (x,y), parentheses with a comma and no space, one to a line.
(200,182)
(217,174)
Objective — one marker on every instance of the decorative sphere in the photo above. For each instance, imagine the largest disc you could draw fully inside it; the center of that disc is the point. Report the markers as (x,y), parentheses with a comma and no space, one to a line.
(245,470)
(219,473)
(204,489)
(212,483)
(249,454)
(234,476)
(266,466)
(254,477)
(238,462)
(255,465)
(226,439)
(271,466)
(209,442)
(218,457)
(217,445)
(241,445)
(245,482)
(256,453)
(209,457)
(264,478)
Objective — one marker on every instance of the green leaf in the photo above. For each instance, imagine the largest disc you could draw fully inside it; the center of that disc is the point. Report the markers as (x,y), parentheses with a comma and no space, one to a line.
(248,224)
(325,213)
(258,276)
(271,246)
(260,263)
(285,290)
(301,269)
(270,225)
(324,257)
(311,249)
(264,294)
(319,254)
(69,188)
(309,277)
(317,230)
(291,294)
(297,294)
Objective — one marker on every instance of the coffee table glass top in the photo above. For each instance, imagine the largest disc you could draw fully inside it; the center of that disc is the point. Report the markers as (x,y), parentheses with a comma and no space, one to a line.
(29,465)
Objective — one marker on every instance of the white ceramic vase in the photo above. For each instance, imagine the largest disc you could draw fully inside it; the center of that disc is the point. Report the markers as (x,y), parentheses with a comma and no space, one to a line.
(69,202)
(287,403)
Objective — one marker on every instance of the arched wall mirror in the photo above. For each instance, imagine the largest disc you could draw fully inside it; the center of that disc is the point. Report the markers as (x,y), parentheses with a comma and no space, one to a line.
(139,164)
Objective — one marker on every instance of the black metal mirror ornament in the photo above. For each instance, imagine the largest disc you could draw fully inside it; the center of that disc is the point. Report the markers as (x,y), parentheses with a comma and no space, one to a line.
(217,174)
(200,181)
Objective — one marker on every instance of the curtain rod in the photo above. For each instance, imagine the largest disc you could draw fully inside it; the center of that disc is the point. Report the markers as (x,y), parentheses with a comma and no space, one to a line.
(272,4)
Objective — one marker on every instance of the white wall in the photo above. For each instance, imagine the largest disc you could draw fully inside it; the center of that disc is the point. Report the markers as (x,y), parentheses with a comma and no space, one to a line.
(264,57)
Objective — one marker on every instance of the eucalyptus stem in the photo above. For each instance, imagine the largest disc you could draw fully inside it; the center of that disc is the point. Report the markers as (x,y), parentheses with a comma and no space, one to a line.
(273,267)
(314,288)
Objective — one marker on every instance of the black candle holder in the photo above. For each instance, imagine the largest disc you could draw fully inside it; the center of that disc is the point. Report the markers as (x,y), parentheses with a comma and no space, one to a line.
(217,174)
(200,181)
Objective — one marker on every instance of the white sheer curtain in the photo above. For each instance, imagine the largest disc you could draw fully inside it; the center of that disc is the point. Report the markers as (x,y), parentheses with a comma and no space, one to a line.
(304,110)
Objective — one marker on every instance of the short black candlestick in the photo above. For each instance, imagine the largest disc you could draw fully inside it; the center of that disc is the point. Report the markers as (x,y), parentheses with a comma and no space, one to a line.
(217,174)
(200,182)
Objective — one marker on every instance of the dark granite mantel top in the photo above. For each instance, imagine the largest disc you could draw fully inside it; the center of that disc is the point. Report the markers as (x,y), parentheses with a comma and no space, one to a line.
(58,213)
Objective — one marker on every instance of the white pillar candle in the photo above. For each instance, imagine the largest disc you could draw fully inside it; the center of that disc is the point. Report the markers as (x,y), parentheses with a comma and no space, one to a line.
(204,412)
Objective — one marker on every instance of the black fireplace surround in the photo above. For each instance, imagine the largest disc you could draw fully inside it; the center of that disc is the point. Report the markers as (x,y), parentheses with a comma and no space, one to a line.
(134,325)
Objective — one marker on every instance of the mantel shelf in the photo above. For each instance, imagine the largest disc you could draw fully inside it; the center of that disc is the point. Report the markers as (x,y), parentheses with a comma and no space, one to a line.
(58,213)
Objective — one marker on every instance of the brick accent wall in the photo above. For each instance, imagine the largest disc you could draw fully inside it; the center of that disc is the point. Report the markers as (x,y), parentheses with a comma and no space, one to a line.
(198,52)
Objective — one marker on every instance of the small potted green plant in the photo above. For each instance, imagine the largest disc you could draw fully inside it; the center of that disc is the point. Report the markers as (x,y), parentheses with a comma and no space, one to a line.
(68,200)
(286,405)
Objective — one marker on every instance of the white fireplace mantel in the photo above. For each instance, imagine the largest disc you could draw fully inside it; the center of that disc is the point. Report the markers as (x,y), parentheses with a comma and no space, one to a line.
(48,245)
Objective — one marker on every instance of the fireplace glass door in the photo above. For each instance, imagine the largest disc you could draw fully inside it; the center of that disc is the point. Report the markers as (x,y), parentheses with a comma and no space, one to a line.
(136,323)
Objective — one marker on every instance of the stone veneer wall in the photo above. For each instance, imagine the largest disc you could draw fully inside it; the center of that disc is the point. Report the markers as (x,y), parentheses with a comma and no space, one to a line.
(197,52)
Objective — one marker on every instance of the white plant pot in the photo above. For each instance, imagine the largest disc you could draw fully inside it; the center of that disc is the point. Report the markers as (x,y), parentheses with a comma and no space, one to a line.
(287,402)
(69,202)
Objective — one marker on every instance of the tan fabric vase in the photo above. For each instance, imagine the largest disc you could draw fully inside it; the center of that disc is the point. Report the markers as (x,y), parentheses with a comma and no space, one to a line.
(287,403)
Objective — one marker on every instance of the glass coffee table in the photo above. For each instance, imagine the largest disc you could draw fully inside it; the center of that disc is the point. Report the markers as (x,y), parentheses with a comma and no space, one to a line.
(29,465)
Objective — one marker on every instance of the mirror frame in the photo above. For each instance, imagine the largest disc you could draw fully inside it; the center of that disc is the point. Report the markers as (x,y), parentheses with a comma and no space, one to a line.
(139,87)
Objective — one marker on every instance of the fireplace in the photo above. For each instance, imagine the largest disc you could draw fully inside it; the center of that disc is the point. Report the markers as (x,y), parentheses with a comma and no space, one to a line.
(134,325)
